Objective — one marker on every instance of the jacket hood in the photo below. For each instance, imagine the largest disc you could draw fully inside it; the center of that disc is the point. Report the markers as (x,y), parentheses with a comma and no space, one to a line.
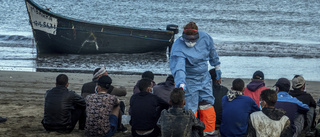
(254,85)
(274,113)
(169,83)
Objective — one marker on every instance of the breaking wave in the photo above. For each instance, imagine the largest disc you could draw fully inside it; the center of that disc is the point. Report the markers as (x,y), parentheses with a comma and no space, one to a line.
(18,39)
(269,49)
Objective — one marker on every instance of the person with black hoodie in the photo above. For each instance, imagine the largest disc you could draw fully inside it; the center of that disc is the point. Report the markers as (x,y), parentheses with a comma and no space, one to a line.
(299,88)
(218,92)
(63,108)
(271,121)
(145,109)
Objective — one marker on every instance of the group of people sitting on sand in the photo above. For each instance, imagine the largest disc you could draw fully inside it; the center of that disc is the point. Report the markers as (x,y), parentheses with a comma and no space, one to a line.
(191,102)
(158,109)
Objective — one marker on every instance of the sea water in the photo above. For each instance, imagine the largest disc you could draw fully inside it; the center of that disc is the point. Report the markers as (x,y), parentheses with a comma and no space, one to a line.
(280,38)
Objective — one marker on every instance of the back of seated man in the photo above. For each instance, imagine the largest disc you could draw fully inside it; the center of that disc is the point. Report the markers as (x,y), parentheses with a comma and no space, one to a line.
(271,122)
(299,86)
(145,109)
(218,92)
(254,88)
(293,107)
(236,110)
(178,122)
(89,88)
(63,108)
(102,110)
(164,89)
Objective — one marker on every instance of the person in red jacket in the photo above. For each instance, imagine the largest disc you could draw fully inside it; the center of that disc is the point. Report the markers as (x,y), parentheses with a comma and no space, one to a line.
(255,87)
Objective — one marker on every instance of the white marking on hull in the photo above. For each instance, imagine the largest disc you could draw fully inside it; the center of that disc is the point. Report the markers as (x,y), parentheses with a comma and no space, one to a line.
(42,21)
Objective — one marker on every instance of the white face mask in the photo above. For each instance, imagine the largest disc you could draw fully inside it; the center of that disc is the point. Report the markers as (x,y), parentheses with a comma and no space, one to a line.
(190,44)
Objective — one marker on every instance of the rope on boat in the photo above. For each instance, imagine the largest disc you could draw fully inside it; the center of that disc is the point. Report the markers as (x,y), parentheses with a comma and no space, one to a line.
(128,35)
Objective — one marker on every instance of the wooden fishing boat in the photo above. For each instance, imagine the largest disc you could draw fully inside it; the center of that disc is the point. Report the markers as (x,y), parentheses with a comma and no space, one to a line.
(54,33)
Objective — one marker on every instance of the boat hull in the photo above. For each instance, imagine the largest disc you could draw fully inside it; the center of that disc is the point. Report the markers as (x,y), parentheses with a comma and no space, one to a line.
(57,34)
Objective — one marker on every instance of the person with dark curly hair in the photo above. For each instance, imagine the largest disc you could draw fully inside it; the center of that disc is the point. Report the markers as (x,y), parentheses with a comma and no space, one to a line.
(271,121)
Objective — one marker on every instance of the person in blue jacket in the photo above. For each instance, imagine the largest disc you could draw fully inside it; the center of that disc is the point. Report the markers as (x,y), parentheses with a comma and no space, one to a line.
(189,59)
(293,107)
(236,110)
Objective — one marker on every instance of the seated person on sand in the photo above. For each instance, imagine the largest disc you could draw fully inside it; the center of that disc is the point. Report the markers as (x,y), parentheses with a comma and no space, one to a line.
(63,108)
(164,89)
(218,92)
(178,122)
(89,88)
(255,87)
(293,107)
(145,109)
(236,109)
(102,110)
(270,122)
(147,75)
(299,86)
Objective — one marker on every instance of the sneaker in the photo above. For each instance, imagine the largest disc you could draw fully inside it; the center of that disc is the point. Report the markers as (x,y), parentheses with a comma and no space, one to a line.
(214,134)
(3,119)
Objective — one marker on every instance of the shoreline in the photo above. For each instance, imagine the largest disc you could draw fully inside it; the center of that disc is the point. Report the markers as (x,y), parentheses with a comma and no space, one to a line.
(85,71)
(127,79)
(22,98)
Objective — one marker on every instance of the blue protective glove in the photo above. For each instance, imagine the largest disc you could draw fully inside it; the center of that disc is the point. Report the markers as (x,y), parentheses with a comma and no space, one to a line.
(218,72)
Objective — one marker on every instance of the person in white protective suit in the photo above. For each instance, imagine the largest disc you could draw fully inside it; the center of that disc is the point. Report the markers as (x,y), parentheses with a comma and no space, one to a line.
(189,58)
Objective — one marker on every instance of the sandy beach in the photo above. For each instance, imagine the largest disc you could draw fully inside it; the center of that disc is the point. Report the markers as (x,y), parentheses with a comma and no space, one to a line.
(22,99)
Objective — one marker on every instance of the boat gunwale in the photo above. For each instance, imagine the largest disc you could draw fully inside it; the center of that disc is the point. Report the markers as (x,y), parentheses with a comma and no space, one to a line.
(93,23)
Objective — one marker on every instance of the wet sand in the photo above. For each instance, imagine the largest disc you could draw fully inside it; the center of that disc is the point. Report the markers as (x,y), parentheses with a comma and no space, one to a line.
(22,99)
